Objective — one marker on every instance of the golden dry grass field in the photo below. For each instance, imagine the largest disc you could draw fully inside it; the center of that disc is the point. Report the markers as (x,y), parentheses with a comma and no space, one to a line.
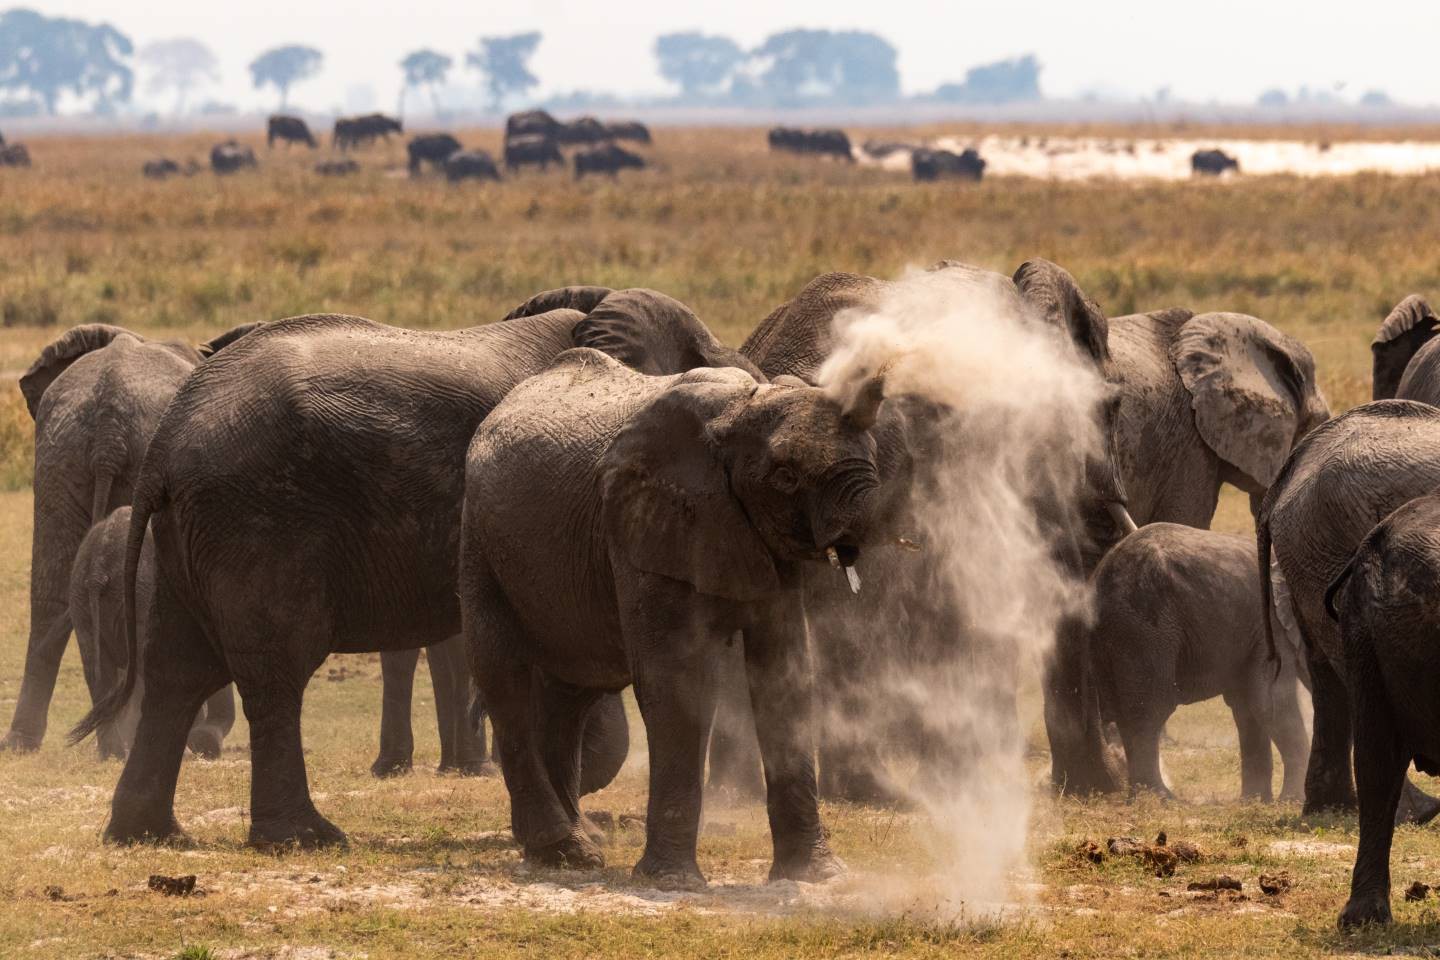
(732,231)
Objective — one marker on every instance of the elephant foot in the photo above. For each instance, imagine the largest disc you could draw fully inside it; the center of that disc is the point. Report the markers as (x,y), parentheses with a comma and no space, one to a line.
(1370,908)
(592,830)
(1416,807)
(574,851)
(205,742)
(669,874)
(130,830)
(385,767)
(1161,792)
(1337,801)
(308,831)
(812,866)
(17,741)
(470,768)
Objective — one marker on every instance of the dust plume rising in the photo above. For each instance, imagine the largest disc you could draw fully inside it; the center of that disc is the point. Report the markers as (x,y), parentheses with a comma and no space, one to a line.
(1014,408)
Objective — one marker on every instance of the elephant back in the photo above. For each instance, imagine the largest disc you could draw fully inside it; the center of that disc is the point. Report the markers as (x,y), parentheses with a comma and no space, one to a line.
(57,357)
(798,335)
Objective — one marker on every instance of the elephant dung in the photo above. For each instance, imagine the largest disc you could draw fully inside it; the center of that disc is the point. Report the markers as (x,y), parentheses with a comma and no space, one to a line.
(172,886)
(1417,891)
(1274,884)
(1222,882)
(1090,851)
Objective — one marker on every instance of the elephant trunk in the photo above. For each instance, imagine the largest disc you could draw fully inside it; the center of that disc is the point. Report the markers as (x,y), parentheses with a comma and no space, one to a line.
(843,510)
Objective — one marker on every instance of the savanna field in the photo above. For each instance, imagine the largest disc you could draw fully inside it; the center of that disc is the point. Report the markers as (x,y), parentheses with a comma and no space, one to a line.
(732,231)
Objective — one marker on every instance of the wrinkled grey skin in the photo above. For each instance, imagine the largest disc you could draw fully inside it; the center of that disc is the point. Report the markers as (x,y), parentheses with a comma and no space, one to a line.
(96,393)
(670,512)
(97,609)
(347,438)
(1345,477)
(1175,623)
(795,340)
(1384,601)
(1406,358)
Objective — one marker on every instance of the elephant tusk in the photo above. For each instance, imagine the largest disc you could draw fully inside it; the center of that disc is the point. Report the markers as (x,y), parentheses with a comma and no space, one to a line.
(832,556)
(853,576)
(1122,517)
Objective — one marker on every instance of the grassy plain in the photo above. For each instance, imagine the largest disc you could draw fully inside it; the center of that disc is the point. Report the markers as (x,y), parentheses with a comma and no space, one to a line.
(731,231)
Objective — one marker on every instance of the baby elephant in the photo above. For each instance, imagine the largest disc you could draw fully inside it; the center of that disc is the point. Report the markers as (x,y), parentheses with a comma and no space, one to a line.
(1177,622)
(1385,601)
(97,610)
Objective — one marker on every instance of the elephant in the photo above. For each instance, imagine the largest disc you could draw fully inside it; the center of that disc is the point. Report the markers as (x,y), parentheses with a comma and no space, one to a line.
(1174,624)
(350,452)
(97,611)
(1384,604)
(610,159)
(96,394)
(431,148)
(1406,363)
(288,129)
(795,339)
(1341,481)
(670,512)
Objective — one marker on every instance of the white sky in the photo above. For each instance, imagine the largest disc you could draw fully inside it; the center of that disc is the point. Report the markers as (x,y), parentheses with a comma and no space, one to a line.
(1226,50)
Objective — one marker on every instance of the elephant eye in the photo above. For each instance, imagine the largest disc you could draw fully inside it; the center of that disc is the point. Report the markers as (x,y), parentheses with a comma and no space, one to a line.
(784,478)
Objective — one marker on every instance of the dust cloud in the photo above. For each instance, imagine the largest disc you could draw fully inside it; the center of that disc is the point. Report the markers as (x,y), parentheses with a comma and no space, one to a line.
(1014,408)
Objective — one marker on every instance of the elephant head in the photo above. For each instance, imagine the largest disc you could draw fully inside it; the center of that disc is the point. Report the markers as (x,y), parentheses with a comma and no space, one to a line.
(57,357)
(1253,392)
(213,346)
(1409,327)
(723,483)
(655,334)
(580,298)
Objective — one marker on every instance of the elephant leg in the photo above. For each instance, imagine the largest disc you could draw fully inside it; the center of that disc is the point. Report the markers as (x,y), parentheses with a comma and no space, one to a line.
(734,750)
(606,744)
(1079,761)
(462,747)
(207,735)
(281,811)
(100,676)
(49,632)
(565,712)
(1141,737)
(397,740)
(776,664)
(1329,783)
(1287,729)
(1380,766)
(677,700)
(1250,713)
(180,672)
(1416,806)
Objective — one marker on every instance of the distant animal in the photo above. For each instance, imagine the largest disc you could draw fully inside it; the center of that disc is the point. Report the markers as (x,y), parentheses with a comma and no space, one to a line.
(230,157)
(582,130)
(824,142)
(431,148)
(628,130)
(1212,163)
(353,132)
(880,149)
(531,123)
(337,168)
(937,164)
(160,168)
(531,150)
(471,165)
(289,129)
(609,159)
(97,611)
(14,155)
(1176,622)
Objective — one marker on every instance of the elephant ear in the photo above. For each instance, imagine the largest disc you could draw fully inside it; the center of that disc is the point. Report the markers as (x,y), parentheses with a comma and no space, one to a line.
(56,358)
(583,298)
(209,348)
(1059,301)
(666,503)
(655,334)
(1249,386)
(1408,328)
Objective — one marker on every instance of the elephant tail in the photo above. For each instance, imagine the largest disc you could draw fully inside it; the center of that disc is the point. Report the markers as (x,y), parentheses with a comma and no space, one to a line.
(1267,589)
(149,497)
(1332,592)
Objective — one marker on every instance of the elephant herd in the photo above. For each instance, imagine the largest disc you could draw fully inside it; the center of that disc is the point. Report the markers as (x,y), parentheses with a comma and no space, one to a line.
(595,493)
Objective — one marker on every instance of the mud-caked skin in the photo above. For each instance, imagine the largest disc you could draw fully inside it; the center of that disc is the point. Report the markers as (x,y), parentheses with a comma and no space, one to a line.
(670,513)
(1176,622)
(1346,477)
(97,394)
(97,610)
(304,493)
(1384,600)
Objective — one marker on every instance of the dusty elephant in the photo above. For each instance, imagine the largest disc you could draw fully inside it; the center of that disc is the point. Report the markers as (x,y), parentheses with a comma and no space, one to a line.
(97,609)
(1176,622)
(674,511)
(353,448)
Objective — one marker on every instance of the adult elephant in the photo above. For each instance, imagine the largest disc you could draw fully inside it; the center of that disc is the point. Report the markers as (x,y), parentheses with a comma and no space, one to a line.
(1337,485)
(671,512)
(96,395)
(1406,358)
(796,339)
(348,439)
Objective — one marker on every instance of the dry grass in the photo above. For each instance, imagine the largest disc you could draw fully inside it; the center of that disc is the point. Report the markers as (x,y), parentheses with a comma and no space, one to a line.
(731,231)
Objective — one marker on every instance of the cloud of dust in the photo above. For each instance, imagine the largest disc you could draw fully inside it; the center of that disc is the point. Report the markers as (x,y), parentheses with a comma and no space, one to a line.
(1017,422)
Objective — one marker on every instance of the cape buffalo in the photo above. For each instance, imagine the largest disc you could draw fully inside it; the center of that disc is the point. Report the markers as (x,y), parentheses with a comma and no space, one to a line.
(431,148)
(231,156)
(471,165)
(351,132)
(1212,163)
(935,164)
(531,149)
(607,159)
(289,129)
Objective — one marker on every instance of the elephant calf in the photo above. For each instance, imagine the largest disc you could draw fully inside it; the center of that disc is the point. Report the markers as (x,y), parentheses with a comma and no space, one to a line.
(1176,623)
(97,611)
(1384,601)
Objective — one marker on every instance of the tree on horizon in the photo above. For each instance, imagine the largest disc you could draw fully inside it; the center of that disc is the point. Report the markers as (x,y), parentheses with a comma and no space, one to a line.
(283,67)
(45,57)
(182,64)
(503,62)
(426,68)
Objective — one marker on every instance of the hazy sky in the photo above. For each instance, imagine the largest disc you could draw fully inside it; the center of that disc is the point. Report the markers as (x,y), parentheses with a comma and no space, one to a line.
(1228,50)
